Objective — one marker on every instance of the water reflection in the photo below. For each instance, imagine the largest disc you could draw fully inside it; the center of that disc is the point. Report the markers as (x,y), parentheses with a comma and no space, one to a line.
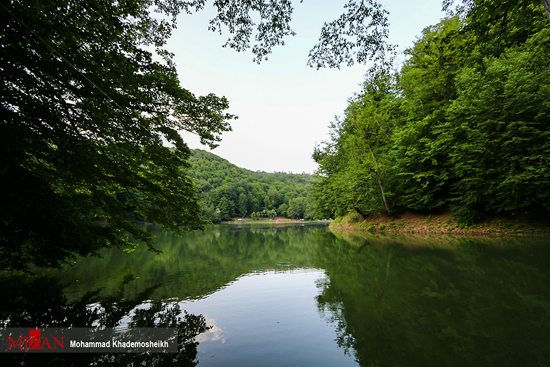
(197,264)
(398,301)
(31,301)
(279,295)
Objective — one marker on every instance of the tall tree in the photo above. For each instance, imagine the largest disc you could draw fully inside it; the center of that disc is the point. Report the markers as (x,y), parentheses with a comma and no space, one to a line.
(369,128)
(352,166)
(428,87)
(498,25)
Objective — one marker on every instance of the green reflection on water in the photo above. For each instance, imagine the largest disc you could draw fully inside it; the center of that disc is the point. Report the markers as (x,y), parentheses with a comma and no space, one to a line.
(393,300)
(199,263)
(429,301)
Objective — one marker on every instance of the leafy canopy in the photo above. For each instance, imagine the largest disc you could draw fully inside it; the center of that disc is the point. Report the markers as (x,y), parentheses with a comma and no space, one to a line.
(462,126)
(87,110)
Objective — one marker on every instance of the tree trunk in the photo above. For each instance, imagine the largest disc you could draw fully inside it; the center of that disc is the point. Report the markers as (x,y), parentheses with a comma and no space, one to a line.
(380,181)
(546,4)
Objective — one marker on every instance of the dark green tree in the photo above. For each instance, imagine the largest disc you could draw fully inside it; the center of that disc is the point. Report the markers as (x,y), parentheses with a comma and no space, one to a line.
(225,209)
(428,87)
(243,204)
(500,158)
(86,109)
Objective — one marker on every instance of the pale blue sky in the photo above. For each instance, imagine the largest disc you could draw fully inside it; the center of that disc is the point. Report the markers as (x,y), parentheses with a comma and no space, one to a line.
(284,106)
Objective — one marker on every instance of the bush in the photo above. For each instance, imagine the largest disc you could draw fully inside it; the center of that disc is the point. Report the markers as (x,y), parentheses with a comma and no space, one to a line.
(465,216)
(354,217)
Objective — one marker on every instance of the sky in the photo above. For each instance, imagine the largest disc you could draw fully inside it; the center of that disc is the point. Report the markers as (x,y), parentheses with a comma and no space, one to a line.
(284,106)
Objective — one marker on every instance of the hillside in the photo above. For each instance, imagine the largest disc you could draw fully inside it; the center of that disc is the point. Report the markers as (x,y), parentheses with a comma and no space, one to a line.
(462,127)
(227,191)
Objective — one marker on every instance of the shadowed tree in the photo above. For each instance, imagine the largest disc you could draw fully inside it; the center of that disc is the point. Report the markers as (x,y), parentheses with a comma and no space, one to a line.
(87,107)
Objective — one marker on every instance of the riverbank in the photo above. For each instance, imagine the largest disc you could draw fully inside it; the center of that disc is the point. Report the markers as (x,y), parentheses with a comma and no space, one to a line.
(526,223)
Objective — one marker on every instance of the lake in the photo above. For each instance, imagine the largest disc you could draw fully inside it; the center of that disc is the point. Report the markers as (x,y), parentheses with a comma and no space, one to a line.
(300,295)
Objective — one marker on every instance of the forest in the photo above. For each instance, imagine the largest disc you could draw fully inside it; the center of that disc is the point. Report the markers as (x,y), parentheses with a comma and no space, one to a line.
(227,191)
(461,126)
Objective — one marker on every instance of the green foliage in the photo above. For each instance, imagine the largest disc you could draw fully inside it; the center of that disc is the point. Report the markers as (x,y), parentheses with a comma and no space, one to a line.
(461,125)
(503,156)
(85,111)
(498,25)
(233,191)
(363,27)
(359,34)
(353,168)
(427,86)
(424,300)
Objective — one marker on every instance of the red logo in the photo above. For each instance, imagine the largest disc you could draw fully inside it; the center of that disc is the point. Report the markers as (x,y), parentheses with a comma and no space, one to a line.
(34,341)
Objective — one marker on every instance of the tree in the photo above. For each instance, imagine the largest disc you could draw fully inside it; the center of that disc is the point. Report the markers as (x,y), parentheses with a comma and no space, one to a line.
(268,203)
(283,209)
(491,10)
(86,109)
(227,209)
(369,128)
(359,34)
(353,166)
(427,82)
(464,128)
(274,196)
(271,213)
(500,158)
(297,208)
(243,204)
(498,25)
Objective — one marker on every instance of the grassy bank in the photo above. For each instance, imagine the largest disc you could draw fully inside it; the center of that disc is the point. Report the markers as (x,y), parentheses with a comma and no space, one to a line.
(529,223)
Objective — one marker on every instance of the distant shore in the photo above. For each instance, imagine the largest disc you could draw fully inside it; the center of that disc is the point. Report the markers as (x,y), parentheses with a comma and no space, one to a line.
(276,220)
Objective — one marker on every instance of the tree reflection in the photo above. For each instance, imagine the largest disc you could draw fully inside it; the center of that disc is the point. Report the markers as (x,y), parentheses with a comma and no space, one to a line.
(196,264)
(471,303)
(38,301)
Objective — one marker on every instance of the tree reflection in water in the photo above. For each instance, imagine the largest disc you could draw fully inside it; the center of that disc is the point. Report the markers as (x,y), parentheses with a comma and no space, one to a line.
(38,301)
(467,302)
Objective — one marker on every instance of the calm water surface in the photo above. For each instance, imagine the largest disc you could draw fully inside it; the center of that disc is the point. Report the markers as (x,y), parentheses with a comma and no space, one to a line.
(303,296)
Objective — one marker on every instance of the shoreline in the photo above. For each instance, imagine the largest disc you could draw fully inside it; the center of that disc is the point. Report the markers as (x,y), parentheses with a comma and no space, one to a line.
(273,221)
(411,222)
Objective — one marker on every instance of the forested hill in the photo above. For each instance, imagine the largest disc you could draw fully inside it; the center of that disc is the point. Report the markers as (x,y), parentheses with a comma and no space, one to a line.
(463,125)
(227,191)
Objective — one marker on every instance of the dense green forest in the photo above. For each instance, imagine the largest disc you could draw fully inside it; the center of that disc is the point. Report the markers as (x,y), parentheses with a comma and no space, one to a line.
(227,191)
(463,125)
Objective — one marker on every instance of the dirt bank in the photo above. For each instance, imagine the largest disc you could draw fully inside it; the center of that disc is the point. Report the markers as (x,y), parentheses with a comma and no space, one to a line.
(527,223)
